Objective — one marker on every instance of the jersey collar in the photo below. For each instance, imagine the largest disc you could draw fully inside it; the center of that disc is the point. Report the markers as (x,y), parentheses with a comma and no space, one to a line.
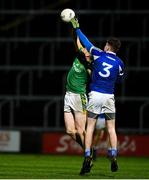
(111,52)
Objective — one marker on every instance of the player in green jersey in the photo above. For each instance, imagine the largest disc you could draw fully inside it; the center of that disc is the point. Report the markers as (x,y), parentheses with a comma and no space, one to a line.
(75,99)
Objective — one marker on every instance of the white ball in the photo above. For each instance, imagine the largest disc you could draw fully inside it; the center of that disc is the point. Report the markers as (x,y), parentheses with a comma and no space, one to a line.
(67,15)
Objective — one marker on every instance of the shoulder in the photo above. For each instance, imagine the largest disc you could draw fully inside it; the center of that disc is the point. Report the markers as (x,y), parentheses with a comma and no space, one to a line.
(95,49)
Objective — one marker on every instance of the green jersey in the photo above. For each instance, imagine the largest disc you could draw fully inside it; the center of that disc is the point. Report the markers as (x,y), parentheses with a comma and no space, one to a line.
(77,78)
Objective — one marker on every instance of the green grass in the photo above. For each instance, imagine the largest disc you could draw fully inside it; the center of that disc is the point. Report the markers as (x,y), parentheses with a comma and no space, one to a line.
(20,166)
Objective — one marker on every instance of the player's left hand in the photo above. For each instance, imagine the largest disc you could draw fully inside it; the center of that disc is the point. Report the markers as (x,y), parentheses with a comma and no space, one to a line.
(75,23)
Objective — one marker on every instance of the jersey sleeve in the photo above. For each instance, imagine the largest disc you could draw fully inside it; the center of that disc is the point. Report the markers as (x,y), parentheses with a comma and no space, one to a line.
(88,45)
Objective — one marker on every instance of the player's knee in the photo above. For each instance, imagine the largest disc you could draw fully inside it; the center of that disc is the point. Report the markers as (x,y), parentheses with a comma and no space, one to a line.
(71,132)
(80,132)
(111,130)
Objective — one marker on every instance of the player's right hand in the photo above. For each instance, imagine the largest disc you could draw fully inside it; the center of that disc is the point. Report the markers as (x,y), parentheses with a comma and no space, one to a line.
(75,23)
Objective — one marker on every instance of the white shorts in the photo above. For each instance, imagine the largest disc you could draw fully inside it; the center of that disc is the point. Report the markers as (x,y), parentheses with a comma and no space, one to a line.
(101,103)
(100,123)
(75,102)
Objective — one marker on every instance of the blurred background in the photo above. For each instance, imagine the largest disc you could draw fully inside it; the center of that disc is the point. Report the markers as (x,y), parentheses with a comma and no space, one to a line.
(36,52)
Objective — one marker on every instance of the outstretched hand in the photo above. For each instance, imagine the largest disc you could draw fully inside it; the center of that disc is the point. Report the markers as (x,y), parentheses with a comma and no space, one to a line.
(75,23)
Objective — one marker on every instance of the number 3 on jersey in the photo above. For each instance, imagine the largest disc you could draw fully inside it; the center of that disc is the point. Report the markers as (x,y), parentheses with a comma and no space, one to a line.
(106,70)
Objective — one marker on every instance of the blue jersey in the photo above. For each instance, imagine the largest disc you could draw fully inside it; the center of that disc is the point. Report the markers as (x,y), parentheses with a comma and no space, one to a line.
(107,68)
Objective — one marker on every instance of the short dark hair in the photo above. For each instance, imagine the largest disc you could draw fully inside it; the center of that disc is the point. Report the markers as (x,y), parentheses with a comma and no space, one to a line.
(115,43)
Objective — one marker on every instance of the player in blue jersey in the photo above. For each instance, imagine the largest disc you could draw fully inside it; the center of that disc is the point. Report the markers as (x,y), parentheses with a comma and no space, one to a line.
(107,70)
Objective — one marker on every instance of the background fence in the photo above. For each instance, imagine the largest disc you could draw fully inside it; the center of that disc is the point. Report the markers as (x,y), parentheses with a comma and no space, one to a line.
(36,52)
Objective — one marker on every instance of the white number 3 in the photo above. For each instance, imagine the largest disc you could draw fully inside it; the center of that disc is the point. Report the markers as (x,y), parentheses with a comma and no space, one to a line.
(106,70)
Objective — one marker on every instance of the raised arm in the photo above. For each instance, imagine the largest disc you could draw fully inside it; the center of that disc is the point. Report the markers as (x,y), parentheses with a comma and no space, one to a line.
(83,50)
(84,40)
(79,45)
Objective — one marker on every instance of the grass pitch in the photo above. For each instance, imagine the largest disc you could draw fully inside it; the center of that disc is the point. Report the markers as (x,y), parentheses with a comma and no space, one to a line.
(20,166)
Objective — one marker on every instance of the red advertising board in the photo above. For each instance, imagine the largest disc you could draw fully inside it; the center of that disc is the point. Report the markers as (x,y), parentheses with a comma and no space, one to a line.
(128,145)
